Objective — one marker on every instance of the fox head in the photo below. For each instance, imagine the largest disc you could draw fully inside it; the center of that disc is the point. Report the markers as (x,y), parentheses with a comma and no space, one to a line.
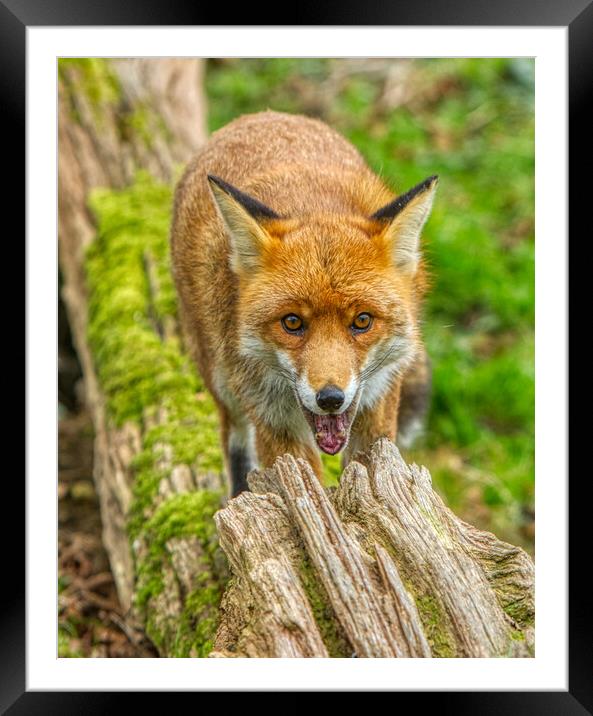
(328,302)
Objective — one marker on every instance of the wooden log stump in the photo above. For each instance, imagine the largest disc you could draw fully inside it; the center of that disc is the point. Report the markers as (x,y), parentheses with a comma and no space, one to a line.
(378,567)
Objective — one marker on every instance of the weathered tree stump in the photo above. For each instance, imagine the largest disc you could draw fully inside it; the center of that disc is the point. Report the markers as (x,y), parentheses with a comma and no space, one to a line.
(378,567)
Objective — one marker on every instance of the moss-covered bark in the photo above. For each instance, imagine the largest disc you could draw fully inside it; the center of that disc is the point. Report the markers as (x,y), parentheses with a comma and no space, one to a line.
(148,380)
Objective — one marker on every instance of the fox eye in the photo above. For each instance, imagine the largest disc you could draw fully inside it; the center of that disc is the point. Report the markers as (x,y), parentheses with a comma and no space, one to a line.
(293,324)
(362,323)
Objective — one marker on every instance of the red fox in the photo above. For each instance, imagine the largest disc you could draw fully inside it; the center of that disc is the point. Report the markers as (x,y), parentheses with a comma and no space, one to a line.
(300,279)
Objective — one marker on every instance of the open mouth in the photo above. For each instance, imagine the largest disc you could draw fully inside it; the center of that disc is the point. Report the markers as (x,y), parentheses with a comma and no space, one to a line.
(331,431)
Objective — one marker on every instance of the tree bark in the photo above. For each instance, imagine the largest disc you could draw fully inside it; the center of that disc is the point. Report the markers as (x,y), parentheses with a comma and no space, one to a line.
(117,117)
(378,567)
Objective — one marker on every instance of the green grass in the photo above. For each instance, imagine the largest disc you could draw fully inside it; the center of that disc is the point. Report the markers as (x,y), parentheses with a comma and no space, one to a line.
(472,122)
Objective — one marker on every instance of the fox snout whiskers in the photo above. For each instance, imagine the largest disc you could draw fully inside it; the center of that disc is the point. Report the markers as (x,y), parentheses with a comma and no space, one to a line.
(329,399)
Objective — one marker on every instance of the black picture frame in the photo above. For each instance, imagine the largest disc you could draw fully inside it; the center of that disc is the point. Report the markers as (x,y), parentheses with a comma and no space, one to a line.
(577,16)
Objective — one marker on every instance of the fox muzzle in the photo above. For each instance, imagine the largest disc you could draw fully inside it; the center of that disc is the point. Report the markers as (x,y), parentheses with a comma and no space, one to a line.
(330,398)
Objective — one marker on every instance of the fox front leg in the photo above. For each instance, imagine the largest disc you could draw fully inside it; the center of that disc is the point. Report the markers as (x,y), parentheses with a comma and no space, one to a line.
(270,445)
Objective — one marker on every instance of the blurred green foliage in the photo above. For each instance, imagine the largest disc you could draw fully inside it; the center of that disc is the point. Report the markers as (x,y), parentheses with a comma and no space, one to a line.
(471,121)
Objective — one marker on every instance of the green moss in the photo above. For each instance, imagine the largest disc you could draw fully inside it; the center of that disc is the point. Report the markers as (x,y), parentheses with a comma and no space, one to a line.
(199,620)
(144,124)
(182,515)
(517,635)
(434,622)
(525,648)
(331,632)
(520,611)
(140,122)
(94,77)
(143,374)
(140,372)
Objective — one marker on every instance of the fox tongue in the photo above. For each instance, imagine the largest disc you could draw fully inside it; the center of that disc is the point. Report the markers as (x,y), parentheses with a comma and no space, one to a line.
(331,432)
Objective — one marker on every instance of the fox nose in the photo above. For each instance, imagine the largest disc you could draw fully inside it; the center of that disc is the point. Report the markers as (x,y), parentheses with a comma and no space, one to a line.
(330,397)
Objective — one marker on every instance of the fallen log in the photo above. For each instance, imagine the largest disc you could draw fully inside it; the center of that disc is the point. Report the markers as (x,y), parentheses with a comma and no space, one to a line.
(378,567)
(157,480)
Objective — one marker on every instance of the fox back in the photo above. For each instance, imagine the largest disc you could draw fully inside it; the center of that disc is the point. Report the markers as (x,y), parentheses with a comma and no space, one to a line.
(300,280)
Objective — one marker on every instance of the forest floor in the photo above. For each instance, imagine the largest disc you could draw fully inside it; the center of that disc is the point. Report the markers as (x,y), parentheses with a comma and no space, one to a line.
(90,622)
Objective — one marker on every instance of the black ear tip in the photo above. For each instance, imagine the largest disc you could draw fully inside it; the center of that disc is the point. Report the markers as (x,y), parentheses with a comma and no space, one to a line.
(222,185)
(252,206)
(215,180)
(390,211)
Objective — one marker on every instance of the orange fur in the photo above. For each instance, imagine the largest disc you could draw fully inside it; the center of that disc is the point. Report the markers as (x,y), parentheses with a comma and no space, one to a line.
(321,257)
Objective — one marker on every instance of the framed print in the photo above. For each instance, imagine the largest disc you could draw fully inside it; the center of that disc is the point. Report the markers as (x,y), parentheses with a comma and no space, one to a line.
(180,361)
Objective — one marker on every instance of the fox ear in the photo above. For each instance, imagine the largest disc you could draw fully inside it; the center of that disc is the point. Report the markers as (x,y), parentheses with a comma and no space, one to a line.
(406,217)
(243,215)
